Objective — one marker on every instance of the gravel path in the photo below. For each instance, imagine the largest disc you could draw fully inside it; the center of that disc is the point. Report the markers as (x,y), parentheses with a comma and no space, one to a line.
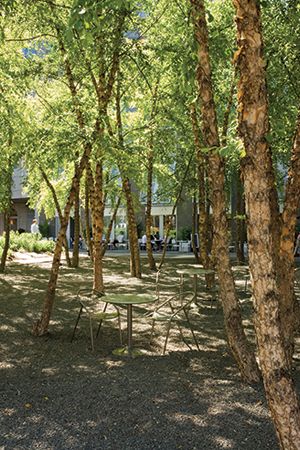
(60,395)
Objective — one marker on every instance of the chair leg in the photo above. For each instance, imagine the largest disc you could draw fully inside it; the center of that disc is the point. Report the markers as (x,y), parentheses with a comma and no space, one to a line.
(152,331)
(182,335)
(183,338)
(167,337)
(91,332)
(192,331)
(213,297)
(181,284)
(246,283)
(77,320)
(120,328)
(100,323)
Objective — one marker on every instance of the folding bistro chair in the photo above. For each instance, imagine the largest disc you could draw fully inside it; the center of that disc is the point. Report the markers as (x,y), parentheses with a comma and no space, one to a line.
(175,311)
(297,277)
(90,303)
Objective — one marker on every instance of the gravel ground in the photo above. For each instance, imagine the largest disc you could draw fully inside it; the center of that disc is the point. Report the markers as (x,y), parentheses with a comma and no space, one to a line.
(60,395)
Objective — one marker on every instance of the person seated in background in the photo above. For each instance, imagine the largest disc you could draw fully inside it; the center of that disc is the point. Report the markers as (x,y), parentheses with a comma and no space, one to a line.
(152,240)
(157,241)
(120,237)
(143,242)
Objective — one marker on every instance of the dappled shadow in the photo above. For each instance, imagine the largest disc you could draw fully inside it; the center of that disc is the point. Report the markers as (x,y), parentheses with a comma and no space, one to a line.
(58,394)
(176,401)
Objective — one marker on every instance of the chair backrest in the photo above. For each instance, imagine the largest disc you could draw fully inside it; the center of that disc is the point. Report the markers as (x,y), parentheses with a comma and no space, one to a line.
(179,299)
(157,281)
(182,300)
(297,277)
(162,283)
(89,297)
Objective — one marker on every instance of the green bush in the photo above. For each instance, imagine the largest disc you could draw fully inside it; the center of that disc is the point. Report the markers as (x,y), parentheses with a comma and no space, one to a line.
(27,242)
(184,233)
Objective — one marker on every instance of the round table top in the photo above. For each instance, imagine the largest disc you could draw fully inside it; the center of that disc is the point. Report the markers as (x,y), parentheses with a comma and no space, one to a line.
(195,271)
(129,299)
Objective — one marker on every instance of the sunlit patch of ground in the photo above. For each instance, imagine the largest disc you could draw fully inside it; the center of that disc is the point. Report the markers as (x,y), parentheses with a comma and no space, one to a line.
(58,394)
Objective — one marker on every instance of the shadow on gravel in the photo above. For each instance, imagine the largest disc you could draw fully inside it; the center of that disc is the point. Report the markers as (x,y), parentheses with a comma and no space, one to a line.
(59,395)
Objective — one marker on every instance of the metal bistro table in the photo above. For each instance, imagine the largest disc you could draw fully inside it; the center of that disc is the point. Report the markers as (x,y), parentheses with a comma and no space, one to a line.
(129,300)
(194,272)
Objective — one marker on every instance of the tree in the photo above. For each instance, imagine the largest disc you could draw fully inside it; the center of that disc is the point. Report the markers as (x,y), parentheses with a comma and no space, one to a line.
(259,182)
(13,126)
(103,91)
(232,314)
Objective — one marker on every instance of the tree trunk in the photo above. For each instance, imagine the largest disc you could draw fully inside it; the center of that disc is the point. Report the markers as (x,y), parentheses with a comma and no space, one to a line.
(168,226)
(288,306)
(75,258)
(98,225)
(59,212)
(103,92)
(150,161)
(232,314)
(110,227)
(6,242)
(97,208)
(201,168)
(41,326)
(135,262)
(240,222)
(148,215)
(88,239)
(253,128)
(195,226)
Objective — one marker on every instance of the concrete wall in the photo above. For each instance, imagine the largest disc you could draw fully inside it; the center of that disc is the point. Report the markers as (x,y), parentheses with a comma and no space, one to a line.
(23,215)
(17,188)
(184,215)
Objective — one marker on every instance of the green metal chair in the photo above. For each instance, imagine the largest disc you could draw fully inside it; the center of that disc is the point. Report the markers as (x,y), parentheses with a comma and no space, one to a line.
(297,277)
(175,311)
(92,303)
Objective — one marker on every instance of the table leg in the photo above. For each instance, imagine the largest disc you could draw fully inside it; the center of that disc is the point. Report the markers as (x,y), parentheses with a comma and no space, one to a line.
(128,350)
(129,328)
(181,288)
(195,288)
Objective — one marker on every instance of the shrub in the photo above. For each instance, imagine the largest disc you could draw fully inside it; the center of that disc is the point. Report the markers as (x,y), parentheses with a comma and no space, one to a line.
(184,233)
(27,242)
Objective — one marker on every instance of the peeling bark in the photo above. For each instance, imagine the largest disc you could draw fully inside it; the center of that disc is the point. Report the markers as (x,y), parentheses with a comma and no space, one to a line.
(195,226)
(232,314)
(41,326)
(202,194)
(59,212)
(103,92)
(98,225)
(150,162)
(6,241)
(97,209)
(89,241)
(75,257)
(135,262)
(259,195)
(288,306)
(240,228)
